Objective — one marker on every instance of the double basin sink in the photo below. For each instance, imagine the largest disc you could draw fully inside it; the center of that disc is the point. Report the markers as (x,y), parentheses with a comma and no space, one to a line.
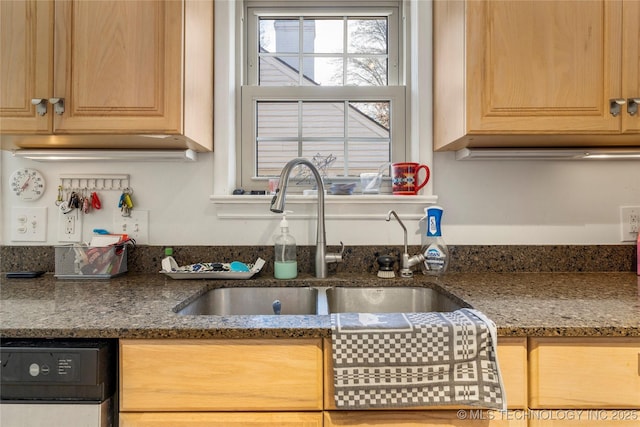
(319,301)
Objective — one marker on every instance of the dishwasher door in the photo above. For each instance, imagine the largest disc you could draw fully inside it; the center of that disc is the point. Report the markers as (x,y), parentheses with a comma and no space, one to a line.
(58,383)
(57,414)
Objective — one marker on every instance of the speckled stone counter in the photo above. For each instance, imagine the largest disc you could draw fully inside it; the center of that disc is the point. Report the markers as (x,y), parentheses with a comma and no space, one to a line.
(554,304)
(359,259)
(139,305)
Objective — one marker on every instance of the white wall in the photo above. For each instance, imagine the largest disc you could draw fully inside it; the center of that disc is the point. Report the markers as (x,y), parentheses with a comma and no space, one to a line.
(535,202)
(486,202)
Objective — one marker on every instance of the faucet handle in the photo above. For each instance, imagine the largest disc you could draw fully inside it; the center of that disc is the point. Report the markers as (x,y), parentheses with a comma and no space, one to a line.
(334,256)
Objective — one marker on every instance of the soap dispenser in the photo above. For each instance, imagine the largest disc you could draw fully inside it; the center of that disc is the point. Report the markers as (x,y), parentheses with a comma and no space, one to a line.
(434,248)
(285,265)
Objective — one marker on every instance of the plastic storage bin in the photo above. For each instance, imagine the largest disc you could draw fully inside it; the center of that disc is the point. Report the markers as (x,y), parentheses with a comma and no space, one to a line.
(90,262)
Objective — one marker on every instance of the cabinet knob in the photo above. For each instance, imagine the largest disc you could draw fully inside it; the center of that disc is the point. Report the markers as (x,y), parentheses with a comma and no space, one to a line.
(615,105)
(41,105)
(632,106)
(58,105)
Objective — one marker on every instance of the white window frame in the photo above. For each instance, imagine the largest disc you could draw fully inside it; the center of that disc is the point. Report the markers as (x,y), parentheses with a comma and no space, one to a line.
(227,101)
(394,92)
(255,9)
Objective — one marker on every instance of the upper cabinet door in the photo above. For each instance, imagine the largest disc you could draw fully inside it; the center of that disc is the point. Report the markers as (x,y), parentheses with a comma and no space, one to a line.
(631,65)
(26,48)
(118,66)
(543,67)
(536,73)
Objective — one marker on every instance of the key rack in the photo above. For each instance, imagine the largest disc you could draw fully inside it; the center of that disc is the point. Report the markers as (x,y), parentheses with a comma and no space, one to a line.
(107,182)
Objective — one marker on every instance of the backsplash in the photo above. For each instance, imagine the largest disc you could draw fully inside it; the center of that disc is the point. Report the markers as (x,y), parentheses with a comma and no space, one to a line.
(464,258)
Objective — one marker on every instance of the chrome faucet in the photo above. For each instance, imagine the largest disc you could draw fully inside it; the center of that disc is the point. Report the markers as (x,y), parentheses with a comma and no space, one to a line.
(407,261)
(277,205)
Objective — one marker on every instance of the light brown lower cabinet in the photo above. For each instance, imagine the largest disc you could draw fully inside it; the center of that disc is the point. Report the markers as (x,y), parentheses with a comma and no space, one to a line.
(221,375)
(455,418)
(566,382)
(512,358)
(584,373)
(584,418)
(277,382)
(221,419)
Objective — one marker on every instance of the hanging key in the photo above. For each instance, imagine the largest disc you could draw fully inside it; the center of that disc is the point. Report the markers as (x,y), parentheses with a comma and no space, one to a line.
(85,204)
(59,198)
(125,204)
(74,203)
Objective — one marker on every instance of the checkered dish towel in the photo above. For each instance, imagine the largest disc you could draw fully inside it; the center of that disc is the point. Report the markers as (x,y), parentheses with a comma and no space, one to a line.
(393,360)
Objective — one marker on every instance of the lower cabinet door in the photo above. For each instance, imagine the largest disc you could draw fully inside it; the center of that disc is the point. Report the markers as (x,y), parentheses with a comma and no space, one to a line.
(584,418)
(584,373)
(228,419)
(221,375)
(454,418)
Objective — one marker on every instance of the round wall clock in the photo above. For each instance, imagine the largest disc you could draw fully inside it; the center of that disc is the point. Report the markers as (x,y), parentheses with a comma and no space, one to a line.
(27,183)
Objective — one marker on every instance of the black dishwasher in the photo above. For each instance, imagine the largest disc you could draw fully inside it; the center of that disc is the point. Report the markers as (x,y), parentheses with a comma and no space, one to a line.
(58,383)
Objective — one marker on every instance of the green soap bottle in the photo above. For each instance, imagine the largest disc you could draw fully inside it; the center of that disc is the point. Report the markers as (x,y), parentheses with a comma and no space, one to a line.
(286,264)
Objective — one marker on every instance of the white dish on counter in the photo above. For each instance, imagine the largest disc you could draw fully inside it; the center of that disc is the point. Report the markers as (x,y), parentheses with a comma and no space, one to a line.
(226,275)
(209,274)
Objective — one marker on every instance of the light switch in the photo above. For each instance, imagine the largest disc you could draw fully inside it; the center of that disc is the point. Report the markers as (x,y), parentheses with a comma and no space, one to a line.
(29,224)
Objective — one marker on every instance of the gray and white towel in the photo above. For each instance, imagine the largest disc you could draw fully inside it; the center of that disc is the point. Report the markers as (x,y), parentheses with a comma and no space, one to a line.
(392,360)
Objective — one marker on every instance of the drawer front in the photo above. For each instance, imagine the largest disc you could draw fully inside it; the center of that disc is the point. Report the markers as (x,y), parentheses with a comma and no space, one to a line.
(584,372)
(220,375)
(469,418)
(585,418)
(512,357)
(229,419)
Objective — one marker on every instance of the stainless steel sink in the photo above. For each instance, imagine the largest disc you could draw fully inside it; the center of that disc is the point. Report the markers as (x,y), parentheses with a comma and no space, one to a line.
(388,300)
(254,301)
(318,300)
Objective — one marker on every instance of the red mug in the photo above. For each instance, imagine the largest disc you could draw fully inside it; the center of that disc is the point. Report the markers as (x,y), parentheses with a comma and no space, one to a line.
(405,178)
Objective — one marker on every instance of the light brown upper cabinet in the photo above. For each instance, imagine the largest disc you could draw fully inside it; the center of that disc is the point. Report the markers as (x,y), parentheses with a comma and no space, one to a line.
(107,74)
(532,73)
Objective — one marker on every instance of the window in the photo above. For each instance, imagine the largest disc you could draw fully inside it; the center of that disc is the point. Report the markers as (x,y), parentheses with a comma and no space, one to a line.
(323,83)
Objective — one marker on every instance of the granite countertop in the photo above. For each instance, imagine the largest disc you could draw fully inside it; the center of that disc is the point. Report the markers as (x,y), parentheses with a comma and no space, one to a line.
(139,305)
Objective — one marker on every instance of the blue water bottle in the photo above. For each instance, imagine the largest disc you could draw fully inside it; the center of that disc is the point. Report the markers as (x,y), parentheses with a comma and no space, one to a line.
(434,248)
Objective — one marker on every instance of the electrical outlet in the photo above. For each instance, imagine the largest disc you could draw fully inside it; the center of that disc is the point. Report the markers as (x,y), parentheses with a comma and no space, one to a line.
(29,224)
(135,226)
(629,223)
(70,226)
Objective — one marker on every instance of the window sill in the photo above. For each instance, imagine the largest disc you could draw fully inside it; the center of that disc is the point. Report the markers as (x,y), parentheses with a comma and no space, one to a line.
(336,207)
